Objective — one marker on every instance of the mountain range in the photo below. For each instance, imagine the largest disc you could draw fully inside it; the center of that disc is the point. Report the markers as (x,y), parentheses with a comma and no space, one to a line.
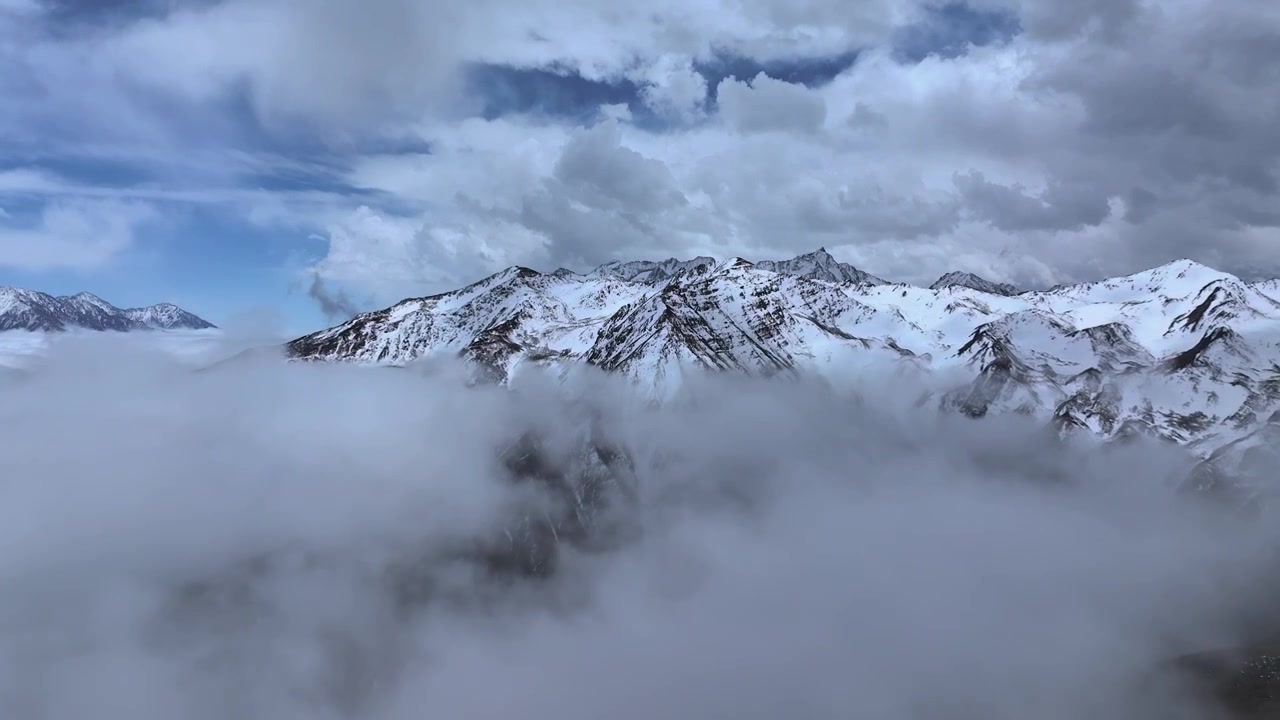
(36,311)
(1181,352)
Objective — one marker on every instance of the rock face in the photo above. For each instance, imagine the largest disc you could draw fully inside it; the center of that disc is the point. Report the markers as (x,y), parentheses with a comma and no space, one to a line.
(584,498)
(37,311)
(1181,352)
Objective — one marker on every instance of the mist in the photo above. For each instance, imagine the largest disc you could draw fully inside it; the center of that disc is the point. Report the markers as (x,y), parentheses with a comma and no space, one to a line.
(224,534)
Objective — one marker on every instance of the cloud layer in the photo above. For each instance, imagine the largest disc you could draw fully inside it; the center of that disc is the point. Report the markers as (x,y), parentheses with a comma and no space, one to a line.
(1027,140)
(279,541)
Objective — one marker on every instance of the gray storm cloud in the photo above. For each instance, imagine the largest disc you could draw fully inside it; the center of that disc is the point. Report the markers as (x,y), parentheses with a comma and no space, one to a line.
(257,539)
(333,303)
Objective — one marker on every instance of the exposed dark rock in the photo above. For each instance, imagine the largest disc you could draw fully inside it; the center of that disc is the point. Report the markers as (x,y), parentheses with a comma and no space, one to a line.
(585,499)
(1244,681)
(1187,358)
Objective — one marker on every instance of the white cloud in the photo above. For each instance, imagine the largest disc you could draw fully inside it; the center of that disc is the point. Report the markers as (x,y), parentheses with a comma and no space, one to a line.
(366,246)
(617,112)
(866,167)
(765,104)
(597,170)
(292,541)
(618,191)
(72,235)
(1066,111)
(386,258)
(672,88)
(729,189)
(344,66)
(327,65)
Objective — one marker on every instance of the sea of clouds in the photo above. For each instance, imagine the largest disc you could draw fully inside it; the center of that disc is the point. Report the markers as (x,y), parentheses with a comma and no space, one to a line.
(206,533)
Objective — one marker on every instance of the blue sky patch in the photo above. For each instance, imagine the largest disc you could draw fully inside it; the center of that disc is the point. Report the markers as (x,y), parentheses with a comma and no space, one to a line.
(948,30)
(564,95)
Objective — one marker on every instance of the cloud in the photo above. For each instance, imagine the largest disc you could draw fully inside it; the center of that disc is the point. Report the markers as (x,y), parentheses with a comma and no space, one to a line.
(401,59)
(388,257)
(398,57)
(1012,208)
(766,105)
(597,170)
(333,303)
(280,540)
(72,235)
(1049,20)
(950,29)
(870,112)
(672,88)
(366,246)
(617,112)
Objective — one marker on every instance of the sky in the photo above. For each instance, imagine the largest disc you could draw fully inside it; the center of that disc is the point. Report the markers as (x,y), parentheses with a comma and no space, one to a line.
(309,159)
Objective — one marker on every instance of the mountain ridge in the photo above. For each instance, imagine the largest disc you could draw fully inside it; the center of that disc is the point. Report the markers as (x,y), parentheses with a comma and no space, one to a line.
(974,282)
(1182,351)
(36,311)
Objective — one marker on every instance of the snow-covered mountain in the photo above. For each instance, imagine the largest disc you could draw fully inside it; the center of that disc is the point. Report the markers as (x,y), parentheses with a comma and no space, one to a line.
(648,270)
(819,265)
(1181,352)
(166,316)
(973,282)
(36,311)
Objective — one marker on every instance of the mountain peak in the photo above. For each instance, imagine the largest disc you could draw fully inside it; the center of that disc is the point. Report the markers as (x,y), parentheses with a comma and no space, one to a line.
(516,272)
(820,255)
(974,282)
(648,271)
(39,312)
(1183,267)
(820,265)
(166,316)
(87,298)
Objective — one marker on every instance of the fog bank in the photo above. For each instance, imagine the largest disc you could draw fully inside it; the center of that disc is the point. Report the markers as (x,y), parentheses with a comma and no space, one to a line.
(258,539)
